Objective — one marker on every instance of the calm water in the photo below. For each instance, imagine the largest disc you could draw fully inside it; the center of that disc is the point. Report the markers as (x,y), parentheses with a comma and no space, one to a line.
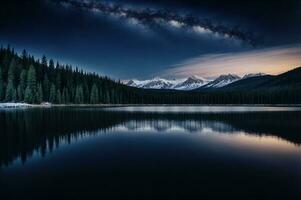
(151,152)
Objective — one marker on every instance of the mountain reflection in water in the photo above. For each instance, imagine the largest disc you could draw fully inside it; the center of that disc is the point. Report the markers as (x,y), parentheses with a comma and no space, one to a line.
(41,130)
(89,152)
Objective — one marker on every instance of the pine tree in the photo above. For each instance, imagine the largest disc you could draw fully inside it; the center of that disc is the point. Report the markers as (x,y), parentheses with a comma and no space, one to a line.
(94,98)
(46,88)
(28,97)
(52,95)
(52,71)
(58,97)
(24,56)
(31,88)
(113,95)
(14,99)
(9,97)
(108,99)
(5,63)
(86,93)
(67,96)
(39,94)
(22,85)
(20,94)
(100,95)
(79,95)
(58,80)
(44,61)
(23,78)
(64,96)
(11,71)
(31,78)
(10,91)
(1,85)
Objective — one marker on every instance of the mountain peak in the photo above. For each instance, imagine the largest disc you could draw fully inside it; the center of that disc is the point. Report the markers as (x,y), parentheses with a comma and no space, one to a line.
(223,80)
(191,83)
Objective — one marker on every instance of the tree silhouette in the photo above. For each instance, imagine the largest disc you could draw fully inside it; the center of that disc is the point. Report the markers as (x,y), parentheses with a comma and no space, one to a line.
(52,95)
(10,90)
(1,85)
(94,98)
(31,88)
(39,94)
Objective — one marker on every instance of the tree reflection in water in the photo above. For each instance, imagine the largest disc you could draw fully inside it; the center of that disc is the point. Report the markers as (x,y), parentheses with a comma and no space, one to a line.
(24,132)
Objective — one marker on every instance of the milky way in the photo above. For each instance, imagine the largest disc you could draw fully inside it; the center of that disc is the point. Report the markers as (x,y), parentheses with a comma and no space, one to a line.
(160,18)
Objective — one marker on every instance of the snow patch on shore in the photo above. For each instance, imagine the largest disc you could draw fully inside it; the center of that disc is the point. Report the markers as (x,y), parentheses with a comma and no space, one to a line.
(14,105)
(23,105)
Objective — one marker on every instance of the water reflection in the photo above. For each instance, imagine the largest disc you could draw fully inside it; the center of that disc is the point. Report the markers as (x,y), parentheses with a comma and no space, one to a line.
(38,131)
(82,153)
(203,109)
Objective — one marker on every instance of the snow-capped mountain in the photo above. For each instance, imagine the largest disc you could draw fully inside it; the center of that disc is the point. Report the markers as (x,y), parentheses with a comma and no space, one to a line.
(189,83)
(222,81)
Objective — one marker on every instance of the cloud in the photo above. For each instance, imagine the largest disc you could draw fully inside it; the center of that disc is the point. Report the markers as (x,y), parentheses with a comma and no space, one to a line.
(270,60)
(162,18)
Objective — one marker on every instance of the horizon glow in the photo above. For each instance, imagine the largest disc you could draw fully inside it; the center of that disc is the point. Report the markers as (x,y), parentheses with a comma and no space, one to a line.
(271,61)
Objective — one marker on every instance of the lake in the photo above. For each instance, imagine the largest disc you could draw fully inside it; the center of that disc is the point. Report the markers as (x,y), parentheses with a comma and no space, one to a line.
(151,152)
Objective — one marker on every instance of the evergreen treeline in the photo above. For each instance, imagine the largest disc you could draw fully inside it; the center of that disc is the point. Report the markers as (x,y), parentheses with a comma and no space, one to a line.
(26,79)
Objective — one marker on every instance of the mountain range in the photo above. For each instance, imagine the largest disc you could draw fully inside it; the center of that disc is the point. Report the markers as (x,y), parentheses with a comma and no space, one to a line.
(190,83)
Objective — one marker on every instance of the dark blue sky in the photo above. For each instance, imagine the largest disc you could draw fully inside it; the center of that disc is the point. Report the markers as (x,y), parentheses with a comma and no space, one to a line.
(142,39)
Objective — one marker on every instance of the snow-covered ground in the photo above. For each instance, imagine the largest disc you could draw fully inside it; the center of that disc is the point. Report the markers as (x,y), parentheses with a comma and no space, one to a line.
(23,105)
(14,105)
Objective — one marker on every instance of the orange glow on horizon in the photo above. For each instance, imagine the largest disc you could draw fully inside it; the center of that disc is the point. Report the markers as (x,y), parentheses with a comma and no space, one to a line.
(270,61)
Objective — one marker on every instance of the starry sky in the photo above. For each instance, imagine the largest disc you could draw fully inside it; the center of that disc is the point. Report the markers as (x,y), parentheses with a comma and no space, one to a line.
(142,39)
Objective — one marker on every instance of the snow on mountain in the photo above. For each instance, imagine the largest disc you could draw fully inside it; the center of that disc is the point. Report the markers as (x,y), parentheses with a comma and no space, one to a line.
(158,83)
(155,83)
(253,75)
(189,83)
(222,81)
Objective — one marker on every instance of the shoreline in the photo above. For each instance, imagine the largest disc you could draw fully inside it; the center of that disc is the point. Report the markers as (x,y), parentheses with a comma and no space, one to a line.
(48,105)
(172,105)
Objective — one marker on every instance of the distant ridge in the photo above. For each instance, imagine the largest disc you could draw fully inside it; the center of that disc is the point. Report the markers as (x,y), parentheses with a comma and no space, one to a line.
(290,79)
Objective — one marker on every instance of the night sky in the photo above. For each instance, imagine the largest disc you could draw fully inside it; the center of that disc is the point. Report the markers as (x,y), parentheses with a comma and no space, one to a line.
(147,38)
